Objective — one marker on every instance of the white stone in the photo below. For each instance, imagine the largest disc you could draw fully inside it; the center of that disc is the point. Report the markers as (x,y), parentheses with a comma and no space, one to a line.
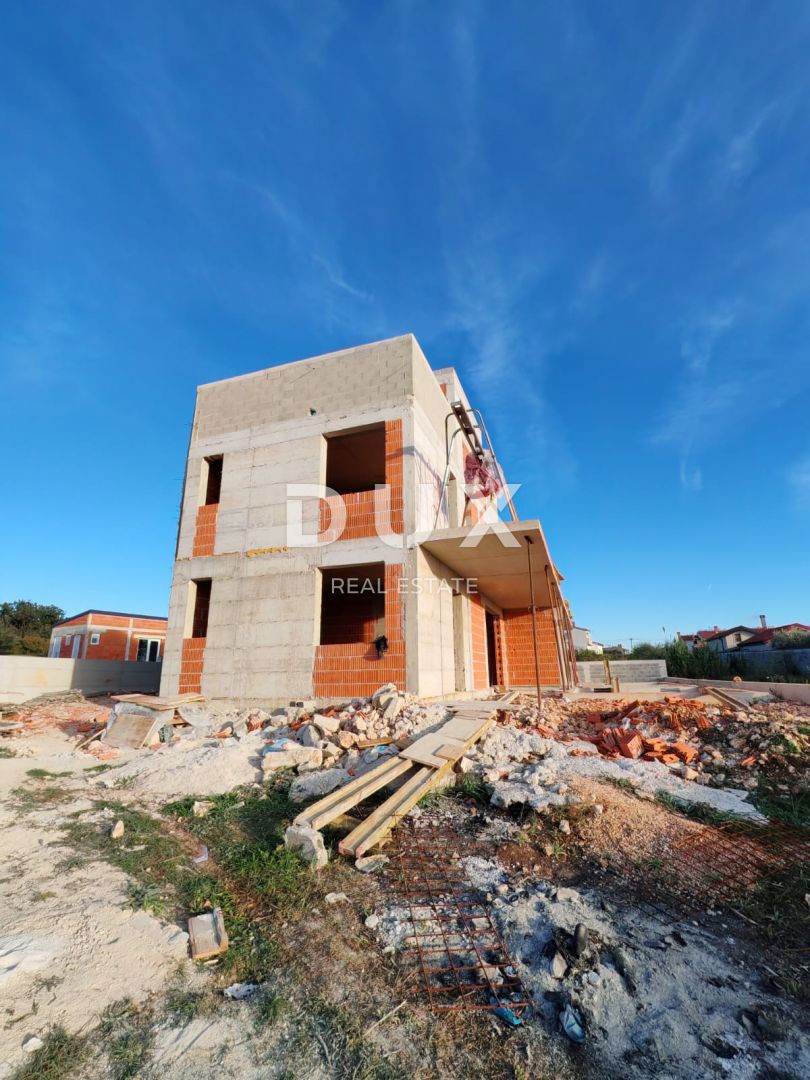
(308,843)
(372,922)
(327,725)
(32,1043)
(315,784)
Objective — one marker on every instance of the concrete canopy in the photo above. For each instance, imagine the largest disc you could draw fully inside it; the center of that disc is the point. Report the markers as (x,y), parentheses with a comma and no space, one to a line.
(497,560)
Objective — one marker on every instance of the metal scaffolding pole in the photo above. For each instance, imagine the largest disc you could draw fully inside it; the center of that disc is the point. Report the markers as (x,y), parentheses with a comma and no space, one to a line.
(529,543)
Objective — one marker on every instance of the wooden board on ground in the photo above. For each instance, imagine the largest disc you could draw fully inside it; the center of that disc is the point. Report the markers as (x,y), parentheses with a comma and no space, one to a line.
(154,701)
(131,731)
(207,935)
(464,727)
(425,750)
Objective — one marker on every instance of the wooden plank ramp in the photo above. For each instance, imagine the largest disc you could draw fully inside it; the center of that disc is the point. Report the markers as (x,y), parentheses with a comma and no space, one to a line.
(420,767)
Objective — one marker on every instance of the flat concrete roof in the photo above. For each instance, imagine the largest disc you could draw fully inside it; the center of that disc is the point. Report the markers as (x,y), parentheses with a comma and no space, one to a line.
(498,560)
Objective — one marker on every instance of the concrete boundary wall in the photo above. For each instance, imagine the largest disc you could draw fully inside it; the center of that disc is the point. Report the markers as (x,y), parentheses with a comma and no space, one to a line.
(785,690)
(592,672)
(24,677)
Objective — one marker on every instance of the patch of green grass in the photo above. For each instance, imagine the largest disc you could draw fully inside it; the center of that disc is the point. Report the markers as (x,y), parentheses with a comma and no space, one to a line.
(6,751)
(43,774)
(126,1036)
(623,784)
(34,798)
(38,897)
(182,1005)
(696,811)
(790,809)
(146,898)
(269,1010)
(348,1053)
(105,766)
(60,1057)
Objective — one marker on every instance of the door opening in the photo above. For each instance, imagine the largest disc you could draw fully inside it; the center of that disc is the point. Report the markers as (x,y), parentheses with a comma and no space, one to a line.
(492,654)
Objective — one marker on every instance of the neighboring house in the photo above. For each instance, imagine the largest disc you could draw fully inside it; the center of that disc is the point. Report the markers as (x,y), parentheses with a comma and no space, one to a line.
(765,636)
(583,640)
(730,639)
(695,640)
(109,635)
(321,545)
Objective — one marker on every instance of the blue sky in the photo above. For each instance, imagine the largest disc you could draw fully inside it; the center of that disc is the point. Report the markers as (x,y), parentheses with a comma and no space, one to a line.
(600,214)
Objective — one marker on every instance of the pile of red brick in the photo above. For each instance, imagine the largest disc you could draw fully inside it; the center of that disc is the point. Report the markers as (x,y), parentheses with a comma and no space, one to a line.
(619,741)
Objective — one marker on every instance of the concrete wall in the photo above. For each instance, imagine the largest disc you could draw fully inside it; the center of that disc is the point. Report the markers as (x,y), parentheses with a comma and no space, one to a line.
(269,427)
(24,677)
(592,672)
(761,659)
(786,691)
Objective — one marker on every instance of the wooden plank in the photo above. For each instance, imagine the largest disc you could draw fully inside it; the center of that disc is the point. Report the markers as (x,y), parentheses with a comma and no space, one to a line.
(462,727)
(344,798)
(724,697)
(448,752)
(131,731)
(424,750)
(377,826)
(154,701)
(383,819)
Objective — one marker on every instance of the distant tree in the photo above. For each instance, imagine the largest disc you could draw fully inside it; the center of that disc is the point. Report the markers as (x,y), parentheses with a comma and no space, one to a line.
(25,627)
(647,651)
(791,639)
(8,639)
(587,654)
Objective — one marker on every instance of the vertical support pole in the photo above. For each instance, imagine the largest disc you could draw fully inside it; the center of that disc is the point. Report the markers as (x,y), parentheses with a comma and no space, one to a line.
(534,621)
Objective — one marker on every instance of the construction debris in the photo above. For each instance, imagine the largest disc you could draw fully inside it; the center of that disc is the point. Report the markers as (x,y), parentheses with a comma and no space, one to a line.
(207,935)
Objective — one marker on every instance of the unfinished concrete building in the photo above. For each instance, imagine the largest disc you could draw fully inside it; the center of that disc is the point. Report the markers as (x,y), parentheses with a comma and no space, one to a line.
(398,572)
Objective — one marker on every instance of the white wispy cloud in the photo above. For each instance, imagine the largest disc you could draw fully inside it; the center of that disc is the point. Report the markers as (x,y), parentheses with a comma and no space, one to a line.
(309,244)
(705,398)
(742,153)
(798,480)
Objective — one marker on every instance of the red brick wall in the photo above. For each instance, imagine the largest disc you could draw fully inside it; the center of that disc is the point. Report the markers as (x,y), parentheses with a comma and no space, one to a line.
(205,530)
(356,670)
(479,644)
(113,631)
(520,648)
(352,621)
(191,666)
(112,645)
(360,521)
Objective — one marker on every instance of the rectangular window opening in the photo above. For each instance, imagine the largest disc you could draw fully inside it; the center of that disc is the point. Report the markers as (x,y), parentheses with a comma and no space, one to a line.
(355,461)
(202,602)
(353,604)
(213,483)
(148,649)
(95,639)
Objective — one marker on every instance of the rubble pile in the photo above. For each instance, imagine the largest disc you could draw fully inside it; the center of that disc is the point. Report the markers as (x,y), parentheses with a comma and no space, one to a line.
(711,744)
(208,750)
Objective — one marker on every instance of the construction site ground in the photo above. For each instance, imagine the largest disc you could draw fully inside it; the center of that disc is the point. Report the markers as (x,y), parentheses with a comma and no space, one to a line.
(690,964)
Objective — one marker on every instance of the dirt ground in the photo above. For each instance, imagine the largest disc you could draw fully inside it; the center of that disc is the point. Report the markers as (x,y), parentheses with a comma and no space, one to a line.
(94,957)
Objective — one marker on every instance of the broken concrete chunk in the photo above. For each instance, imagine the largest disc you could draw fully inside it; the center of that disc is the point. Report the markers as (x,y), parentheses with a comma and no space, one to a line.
(207,935)
(285,754)
(367,864)
(327,725)
(558,965)
(308,843)
(309,736)
(117,831)
(381,691)
(32,1043)
(315,784)
(392,708)
(200,809)
(372,922)
(336,898)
